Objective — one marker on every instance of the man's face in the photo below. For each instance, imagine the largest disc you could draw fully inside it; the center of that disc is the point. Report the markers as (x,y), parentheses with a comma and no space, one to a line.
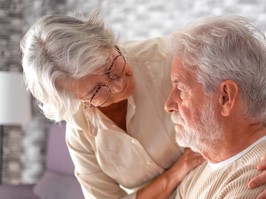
(192,110)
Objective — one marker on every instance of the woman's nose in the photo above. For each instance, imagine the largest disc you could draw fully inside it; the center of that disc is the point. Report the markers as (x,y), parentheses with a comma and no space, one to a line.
(117,85)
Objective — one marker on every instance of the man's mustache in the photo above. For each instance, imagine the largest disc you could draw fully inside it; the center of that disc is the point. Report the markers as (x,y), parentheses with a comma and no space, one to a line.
(176,118)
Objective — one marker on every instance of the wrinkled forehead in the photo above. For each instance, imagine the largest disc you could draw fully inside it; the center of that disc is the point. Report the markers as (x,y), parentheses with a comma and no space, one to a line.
(107,60)
(181,74)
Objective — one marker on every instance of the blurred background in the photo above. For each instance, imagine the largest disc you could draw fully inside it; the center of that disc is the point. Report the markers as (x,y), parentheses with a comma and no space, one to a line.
(24,146)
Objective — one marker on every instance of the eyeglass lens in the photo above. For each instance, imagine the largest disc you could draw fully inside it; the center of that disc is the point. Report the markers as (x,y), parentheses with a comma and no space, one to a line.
(103,93)
(115,71)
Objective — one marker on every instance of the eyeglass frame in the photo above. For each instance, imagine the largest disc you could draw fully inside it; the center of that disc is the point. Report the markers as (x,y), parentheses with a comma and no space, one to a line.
(111,77)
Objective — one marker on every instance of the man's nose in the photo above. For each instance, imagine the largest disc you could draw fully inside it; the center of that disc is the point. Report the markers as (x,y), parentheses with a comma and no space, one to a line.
(171,103)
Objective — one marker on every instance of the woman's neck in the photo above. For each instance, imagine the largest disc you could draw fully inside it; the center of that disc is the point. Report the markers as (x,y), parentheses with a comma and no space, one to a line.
(117,113)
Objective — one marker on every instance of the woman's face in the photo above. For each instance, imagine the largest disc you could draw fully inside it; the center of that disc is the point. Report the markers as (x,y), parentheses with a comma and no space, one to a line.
(115,84)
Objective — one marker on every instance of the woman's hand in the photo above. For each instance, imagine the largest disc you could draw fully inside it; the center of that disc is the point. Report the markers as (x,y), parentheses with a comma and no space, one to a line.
(259,179)
(162,186)
(188,161)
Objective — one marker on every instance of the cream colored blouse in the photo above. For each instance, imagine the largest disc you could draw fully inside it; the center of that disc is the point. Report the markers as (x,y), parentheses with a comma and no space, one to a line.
(110,163)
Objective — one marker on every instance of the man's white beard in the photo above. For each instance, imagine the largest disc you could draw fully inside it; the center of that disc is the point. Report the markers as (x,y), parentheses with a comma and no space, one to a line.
(203,135)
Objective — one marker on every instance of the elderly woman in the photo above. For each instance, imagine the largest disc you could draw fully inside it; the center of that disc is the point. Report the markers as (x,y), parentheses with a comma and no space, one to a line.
(112,97)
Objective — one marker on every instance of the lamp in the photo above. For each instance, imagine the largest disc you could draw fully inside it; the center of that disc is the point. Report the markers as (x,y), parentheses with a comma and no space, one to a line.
(15,107)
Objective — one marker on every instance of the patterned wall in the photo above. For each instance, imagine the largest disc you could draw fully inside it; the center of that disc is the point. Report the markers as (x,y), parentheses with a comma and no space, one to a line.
(24,148)
(131,19)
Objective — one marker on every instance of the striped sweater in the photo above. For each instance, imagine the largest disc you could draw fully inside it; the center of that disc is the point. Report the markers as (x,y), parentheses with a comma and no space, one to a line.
(229,181)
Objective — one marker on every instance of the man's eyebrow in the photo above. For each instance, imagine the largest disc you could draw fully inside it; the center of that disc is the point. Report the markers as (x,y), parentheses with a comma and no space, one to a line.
(179,83)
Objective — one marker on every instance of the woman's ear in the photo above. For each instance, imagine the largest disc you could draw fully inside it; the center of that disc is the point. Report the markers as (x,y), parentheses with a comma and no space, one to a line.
(228,91)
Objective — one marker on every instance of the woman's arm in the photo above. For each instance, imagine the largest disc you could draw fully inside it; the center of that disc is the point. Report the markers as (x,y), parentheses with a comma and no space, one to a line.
(259,179)
(162,186)
(94,182)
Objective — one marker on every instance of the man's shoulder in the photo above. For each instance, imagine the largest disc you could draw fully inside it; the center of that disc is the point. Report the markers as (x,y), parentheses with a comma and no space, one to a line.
(254,155)
(227,181)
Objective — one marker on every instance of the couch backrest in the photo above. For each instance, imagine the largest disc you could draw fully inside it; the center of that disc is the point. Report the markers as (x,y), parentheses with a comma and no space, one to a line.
(58,158)
(58,180)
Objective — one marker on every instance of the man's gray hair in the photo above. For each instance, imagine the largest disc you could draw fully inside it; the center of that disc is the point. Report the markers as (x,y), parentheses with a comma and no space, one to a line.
(58,46)
(228,47)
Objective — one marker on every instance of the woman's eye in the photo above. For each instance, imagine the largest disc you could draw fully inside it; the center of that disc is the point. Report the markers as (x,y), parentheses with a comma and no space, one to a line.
(109,68)
(97,91)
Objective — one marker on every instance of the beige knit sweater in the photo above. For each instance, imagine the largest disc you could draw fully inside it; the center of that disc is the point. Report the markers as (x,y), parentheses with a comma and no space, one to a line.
(227,181)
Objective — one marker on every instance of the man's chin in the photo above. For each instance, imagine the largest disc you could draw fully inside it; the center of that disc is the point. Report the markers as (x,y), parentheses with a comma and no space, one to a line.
(181,143)
(180,140)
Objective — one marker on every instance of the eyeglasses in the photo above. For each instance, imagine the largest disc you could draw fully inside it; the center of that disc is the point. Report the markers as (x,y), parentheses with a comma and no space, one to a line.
(103,92)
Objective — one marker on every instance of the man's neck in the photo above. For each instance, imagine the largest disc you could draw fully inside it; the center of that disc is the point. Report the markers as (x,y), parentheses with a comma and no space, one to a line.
(232,159)
(235,142)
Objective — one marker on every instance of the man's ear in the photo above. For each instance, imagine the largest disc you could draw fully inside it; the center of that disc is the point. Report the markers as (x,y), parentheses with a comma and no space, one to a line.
(228,90)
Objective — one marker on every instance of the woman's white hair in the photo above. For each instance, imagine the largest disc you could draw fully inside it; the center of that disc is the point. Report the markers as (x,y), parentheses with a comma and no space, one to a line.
(58,46)
(227,47)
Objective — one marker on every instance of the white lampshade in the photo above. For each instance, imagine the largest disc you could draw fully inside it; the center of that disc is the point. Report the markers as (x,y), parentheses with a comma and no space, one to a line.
(15,107)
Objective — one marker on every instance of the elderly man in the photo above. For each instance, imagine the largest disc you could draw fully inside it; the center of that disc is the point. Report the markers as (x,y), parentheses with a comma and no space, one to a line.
(218,105)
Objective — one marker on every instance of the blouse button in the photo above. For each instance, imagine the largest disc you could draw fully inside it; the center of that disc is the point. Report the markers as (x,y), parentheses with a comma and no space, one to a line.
(133,141)
(148,163)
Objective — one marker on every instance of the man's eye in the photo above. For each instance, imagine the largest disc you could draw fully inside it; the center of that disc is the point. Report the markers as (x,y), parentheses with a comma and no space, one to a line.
(179,89)
(182,95)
